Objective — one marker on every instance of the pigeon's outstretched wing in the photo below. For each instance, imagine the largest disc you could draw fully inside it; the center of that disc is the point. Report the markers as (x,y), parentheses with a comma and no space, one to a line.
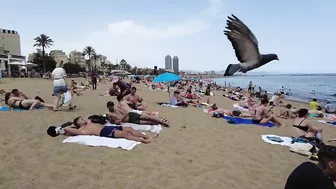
(243,41)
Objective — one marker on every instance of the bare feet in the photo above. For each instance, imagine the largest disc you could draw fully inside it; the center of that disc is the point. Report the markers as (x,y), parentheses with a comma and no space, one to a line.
(150,139)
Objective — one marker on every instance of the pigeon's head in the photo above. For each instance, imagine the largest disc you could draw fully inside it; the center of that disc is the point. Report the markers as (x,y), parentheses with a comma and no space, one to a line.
(268,58)
(274,57)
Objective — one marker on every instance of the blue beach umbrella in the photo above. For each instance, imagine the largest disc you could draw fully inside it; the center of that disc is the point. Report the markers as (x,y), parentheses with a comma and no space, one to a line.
(167,77)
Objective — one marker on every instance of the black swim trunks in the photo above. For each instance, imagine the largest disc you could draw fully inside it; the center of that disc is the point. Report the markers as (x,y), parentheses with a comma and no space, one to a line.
(108,131)
(256,121)
(134,118)
(133,106)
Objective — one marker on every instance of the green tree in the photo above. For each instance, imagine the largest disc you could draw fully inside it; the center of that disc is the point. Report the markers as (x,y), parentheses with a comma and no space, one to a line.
(89,51)
(95,56)
(44,42)
(46,64)
(73,68)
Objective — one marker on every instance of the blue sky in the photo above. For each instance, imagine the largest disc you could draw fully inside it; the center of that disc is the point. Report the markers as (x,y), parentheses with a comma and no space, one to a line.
(143,32)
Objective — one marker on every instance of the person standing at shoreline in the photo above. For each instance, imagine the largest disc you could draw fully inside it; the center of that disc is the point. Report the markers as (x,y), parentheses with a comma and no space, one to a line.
(58,76)
(94,80)
(250,87)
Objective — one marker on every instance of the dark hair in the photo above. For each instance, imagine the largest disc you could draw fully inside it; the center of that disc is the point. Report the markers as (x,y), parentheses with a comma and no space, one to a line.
(264,101)
(314,99)
(325,154)
(109,104)
(134,88)
(303,112)
(15,90)
(119,97)
(7,96)
(236,113)
(75,121)
(288,106)
(176,92)
(252,94)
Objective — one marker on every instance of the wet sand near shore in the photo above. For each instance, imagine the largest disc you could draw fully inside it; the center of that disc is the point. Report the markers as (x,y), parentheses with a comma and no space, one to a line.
(197,151)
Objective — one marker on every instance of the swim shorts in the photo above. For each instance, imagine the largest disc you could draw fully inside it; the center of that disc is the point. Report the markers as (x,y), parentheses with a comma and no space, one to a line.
(134,118)
(256,121)
(108,131)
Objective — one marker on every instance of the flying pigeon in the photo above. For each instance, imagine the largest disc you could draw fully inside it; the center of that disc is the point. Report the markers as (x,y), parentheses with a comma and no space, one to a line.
(246,48)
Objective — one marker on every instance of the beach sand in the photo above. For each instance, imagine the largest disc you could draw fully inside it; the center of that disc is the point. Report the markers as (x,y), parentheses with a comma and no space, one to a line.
(196,152)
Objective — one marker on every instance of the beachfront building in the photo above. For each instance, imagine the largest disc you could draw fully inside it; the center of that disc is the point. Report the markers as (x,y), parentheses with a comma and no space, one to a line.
(77,57)
(10,48)
(59,56)
(168,62)
(176,64)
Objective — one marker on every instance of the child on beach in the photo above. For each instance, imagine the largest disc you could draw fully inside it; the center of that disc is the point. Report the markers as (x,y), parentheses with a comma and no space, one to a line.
(288,113)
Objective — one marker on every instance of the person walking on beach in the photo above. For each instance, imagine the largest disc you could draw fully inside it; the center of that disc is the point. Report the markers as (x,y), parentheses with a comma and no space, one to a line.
(59,85)
(94,80)
(250,87)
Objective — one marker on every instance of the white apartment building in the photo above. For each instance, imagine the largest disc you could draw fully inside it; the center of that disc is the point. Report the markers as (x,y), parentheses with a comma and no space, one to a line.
(59,56)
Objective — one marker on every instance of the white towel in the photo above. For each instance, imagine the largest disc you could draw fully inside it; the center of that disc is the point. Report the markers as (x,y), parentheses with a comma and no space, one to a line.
(102,141)
(150,128)
(240,108)
(287,141)
(169,105)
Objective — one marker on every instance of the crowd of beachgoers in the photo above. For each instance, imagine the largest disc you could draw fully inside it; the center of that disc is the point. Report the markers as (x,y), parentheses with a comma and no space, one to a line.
(248,107)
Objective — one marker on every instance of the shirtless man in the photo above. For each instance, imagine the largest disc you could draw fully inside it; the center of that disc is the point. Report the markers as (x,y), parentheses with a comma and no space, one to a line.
(135,101)
(124,114)
(86,127)
(263,115)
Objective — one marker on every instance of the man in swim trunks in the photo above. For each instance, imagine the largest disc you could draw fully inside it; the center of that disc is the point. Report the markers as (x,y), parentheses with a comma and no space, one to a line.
(125,88)
(86,127)
(135,101)
(124,114)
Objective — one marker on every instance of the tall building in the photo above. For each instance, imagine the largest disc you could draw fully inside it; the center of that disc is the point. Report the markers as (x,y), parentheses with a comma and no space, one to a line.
(168,62)
(176,64)
(77,57)
(59,56)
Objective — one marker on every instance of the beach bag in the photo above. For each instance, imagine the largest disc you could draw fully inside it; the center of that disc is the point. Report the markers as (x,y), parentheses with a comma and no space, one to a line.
(67,98)
(301,148)
(100,119)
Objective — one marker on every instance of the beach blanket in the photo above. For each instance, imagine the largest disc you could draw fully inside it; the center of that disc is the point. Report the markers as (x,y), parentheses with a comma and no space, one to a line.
(275,139)
(240,108)
(6,109)
(333,123)
(238,120)
(167,105)
(125,144)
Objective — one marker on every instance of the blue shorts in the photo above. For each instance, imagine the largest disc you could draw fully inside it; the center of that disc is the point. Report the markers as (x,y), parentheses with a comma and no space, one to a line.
(60,89)
(108,131)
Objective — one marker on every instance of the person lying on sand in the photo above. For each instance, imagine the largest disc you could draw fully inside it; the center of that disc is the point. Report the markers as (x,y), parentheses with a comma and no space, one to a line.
(304,128)
(135,101)
(219,112)
(264,115)
(20,94)
(86,127)
(22,103)
(124,114)
(124,107)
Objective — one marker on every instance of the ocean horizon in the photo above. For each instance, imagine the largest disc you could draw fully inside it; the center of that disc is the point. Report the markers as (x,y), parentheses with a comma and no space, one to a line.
(301,87)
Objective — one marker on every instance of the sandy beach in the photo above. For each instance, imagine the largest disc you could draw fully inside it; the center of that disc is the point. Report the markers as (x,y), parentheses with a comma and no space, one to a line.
(197,151)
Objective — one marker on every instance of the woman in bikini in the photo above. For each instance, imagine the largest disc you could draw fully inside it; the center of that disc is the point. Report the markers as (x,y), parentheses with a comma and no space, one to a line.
(303,127)
(26,104)
(263,115)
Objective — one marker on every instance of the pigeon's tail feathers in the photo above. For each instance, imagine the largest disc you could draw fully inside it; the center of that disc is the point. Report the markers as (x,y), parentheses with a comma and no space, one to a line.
(232,69)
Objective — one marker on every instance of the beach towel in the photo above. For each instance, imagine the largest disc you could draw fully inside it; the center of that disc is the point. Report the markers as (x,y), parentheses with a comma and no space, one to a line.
(275,139)
(6,109)
(150,128)
(333,123)
(96,141)
(240,108)
(238,120)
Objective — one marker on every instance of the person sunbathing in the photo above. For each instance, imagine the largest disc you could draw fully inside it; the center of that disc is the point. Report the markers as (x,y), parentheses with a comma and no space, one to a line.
(219,112)
(121,114)
(75,86)
(304,128)
(125,108)
(289,113)
(2,91)
(22,103)
(177,100)
(135,101)
(86,127)
(263,115)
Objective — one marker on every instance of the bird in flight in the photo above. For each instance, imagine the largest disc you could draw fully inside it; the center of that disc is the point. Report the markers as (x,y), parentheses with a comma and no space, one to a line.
(245,45)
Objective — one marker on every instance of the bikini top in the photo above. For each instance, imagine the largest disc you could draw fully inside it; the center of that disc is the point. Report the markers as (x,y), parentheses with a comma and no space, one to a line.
(303,128)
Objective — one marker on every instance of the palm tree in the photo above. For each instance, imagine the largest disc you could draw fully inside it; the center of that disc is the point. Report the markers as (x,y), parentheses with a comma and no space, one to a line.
(95,56)
(44,42)
(89,51)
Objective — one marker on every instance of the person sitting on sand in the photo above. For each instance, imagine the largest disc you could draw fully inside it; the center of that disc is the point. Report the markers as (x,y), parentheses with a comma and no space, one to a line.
(135,101)
(288,113)
(25,104)
(303,127)
(263,115)
(121,114)
(125,88)
(219,112)
(314,105)
(330,108)
(311,176)
(276,99)
(177,100)
(86,127)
